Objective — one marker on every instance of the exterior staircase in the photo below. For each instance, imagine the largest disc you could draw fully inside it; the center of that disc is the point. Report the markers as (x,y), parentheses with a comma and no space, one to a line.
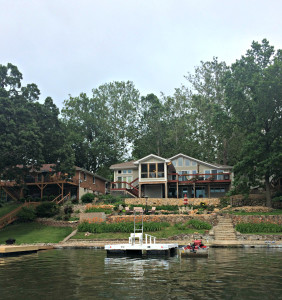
(224,230)
(13,215)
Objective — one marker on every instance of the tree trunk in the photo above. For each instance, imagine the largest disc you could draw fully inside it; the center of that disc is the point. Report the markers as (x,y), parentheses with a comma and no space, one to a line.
(267,190)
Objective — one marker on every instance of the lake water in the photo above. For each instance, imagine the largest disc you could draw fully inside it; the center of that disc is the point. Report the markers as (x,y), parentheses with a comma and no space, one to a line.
(89,274)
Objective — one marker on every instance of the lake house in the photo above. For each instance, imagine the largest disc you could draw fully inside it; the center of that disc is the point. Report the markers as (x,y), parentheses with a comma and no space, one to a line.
(157,177)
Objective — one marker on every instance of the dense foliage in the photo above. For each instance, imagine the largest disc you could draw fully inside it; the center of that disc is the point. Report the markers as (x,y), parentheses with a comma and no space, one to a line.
(87,198)
(194,224)
(47,210)
(258,228)
(119,227)
(26,214)
(31,133)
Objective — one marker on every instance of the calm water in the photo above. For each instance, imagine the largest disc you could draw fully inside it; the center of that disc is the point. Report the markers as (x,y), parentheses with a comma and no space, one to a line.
(89,274)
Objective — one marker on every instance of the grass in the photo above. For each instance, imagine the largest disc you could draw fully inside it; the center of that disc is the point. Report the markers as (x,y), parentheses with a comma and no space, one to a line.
(29,233)
(8,208)
(244,213)
(166,232)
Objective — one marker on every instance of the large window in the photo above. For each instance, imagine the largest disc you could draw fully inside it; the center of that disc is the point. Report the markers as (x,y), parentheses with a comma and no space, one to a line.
(152,170)
(180,162)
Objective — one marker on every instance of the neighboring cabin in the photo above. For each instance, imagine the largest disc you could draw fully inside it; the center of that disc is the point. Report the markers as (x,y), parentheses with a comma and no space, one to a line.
(157,177)
(46,182)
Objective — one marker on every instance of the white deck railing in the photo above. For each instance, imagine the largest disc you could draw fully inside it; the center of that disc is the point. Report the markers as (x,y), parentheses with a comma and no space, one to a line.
(150,239)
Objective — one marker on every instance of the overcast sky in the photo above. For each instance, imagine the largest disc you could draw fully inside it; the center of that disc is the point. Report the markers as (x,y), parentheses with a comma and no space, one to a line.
(68,47)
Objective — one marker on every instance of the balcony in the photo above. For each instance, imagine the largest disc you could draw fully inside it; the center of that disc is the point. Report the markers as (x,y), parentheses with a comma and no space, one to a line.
(199,178)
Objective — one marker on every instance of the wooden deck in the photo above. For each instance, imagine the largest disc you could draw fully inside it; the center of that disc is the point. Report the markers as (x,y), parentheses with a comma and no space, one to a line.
(6,250)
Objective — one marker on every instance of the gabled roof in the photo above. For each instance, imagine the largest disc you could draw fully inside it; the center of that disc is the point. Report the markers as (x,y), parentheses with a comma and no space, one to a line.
(125,165)
(90,173)
(151,156)
(213,165)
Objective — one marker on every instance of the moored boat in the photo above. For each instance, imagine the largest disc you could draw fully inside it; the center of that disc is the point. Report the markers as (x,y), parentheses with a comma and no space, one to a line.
(195,249)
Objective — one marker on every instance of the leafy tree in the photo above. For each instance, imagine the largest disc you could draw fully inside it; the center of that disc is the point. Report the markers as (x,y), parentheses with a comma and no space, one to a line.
(101,127)
(254,94)
(217,136)
(31,133)
(20,142)
(151,129)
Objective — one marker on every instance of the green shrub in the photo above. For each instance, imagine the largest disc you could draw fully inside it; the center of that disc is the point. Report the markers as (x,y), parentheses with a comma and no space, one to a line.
(98,209)
(45,198)
(74,201)
(47,210)
(111,199)
(277,199)
(87,198)
(26,214)
(197,224)
(119,227)
(68,210)
(224,202)
(167,207)
(258,228)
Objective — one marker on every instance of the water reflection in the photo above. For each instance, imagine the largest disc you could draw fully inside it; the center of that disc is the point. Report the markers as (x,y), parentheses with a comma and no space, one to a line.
(88,274)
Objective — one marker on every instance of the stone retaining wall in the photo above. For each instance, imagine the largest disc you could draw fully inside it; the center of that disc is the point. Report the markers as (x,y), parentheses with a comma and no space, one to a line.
(251,200)
(51,222)
(171,201)
(172,219)
(264,237)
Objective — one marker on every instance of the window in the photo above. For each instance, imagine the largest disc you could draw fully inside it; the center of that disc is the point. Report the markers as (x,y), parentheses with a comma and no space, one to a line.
(93,179)
(218,190)
(129,171)
(194,163)
(119,171)
(187,162)
(174,162)
(221,176)
(160,170)
(124,171)
(84,176)
(180,162)
(152,170)
(144,171)
(183,178)
(207,172)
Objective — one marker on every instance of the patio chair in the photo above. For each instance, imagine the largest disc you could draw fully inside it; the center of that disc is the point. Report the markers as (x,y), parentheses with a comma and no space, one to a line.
(152,211)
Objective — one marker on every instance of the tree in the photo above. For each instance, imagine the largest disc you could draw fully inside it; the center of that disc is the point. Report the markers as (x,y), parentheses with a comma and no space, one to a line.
(30,132)
(20,142)
(254,95)
(102,126)
(217,136)
(151,128)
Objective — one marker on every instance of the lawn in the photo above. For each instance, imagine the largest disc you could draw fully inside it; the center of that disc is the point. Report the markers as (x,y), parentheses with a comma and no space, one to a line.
(7,208)
(166,232)
(29,233)
(244,213)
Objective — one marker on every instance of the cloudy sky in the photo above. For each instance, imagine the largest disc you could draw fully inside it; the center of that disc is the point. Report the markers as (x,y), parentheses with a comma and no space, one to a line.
(72,46)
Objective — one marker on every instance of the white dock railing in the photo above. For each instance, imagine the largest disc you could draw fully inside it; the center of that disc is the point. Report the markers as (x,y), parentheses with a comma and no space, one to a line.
(150,239)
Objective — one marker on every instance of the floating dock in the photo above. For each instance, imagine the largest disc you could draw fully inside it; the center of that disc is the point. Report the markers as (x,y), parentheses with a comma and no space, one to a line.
(21,249)
(140,244)
(142,249)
